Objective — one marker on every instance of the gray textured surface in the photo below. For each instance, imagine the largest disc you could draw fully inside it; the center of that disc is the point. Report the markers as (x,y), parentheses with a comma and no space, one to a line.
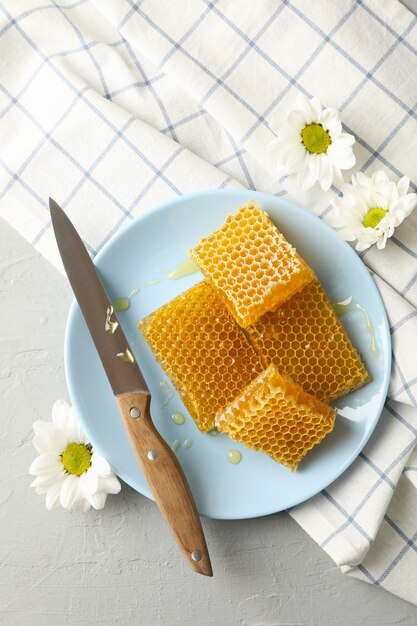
(120,565)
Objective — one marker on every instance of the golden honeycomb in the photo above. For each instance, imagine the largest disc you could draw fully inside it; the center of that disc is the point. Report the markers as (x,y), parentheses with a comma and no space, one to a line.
(304,339)
(251,264)
(275,415)
(202,350)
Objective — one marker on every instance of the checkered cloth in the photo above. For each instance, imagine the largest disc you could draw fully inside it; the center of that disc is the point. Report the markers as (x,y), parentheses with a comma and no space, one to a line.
(111,107)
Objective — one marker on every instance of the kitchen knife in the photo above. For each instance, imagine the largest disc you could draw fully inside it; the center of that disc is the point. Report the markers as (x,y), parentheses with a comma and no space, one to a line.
(157,461)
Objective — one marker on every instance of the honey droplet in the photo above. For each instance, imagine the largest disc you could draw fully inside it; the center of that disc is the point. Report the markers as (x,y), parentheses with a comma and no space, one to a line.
(234,457)
(121,304)
(185,268)
(178,418)
(170,393)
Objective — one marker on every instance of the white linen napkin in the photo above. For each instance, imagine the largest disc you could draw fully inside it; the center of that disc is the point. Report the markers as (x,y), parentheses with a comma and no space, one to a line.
(113,107)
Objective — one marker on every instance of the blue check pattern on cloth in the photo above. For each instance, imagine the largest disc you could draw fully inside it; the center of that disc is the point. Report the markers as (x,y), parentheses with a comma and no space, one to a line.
(113,107)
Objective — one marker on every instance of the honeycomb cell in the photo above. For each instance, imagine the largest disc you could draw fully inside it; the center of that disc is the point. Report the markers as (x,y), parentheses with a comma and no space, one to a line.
(332,346)
(200,361)
(288,421)
(251,264)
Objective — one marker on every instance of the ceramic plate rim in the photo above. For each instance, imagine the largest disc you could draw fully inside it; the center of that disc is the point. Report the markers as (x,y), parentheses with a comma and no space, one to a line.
(274,508)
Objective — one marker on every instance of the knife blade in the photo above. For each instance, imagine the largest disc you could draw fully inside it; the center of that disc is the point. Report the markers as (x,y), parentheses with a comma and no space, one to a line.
(157,461)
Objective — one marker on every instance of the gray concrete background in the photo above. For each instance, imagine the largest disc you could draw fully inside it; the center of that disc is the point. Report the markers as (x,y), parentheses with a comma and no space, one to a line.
(120,565)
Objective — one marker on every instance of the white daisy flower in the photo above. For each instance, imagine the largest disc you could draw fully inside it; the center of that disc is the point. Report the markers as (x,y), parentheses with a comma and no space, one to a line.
(311,146)
(371,208)
(68,470)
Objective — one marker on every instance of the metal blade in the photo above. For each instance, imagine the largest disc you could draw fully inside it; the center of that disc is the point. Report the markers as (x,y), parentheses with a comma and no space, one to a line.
(94,302)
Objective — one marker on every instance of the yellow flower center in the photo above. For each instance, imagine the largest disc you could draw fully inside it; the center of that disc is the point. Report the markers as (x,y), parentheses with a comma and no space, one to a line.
(373,217)
(315,138)
(76,458)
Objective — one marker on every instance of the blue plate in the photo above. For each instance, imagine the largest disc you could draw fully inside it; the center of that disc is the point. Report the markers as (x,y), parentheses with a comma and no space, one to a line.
(147,249)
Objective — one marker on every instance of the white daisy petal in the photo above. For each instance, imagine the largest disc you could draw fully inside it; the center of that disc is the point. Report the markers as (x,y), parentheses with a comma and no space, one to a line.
(308,180)
(359,179)
(279,159)
(391,197)
(346,139)
(349,162)
(380,177)
(42,445)
(84,489)
(334,127)
(361,246)
(326,178)
(335,219)
(381,242)
(340,154)
(52,442)
(404,207)
(73,428)
(84,505)
(296,120)
(316,108)
(60,413)
(346,234)
(47,479)
(294,158)
(329,115)
(403,185)
(80,504)
(314,164)
(97,500)
(111,484)
(78,432)
(53,495)
(37,482)
(337,176)
(69,492)
(89,482)
(45,463)
(390,230)
(281,152)
(100,465)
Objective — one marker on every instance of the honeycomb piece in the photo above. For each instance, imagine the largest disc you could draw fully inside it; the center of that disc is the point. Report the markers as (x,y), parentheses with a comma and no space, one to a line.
(305,339)
(275,415)
(202,350)
(251,264)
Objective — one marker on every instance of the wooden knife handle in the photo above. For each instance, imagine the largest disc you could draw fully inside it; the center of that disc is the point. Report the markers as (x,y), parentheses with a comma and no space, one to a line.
(166,479)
